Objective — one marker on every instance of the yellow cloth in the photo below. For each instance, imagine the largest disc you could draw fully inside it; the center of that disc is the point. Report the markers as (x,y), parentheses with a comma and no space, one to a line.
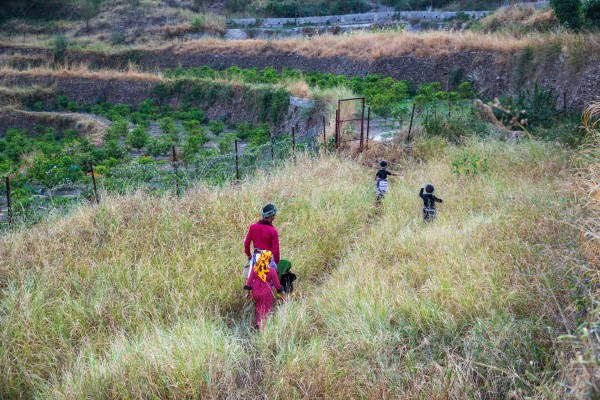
(262,265)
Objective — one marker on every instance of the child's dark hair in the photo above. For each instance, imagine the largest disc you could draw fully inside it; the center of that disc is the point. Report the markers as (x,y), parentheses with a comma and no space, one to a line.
(429,188)
(383,164)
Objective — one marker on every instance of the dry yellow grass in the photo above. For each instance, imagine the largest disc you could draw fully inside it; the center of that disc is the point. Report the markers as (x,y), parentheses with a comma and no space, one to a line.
(372,46)
(81,71)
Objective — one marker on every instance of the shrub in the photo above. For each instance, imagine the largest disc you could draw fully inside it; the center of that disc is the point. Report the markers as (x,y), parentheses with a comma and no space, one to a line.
(198,23)
(217,127)
(60,47)
(118,129)
(159,146)
(226,143)
(539,106)
(567,12)
(467,162)
(192,127)
(591,11)
(16,143)
(138,138)
(466,91)
(114,149)
(193,144)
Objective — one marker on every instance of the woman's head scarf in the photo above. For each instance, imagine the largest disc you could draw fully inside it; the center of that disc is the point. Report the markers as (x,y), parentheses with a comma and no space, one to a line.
(262,265)
(269,210)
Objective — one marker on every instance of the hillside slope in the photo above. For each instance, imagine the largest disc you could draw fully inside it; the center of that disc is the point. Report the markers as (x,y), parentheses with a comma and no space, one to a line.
(141,296)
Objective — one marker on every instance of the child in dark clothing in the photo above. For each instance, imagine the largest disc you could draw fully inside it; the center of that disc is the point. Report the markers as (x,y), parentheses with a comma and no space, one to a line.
(429,201)
(382,183)
(286,276)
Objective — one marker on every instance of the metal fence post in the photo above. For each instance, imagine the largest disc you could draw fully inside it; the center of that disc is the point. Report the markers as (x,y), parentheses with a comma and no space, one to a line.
(9,201)
(368,126)
(362,126)
(293,139)
(337,128)
(324,135)
(94,182)
(237,162)
(272,146)
(176,171)
(412,116)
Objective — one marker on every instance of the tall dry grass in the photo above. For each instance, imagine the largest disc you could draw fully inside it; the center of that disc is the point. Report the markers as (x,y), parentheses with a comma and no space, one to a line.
(373,46)
(139,267)
(81,70)
(141,296)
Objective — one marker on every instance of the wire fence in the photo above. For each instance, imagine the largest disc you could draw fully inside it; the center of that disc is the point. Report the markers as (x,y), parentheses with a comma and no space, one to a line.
(157,177)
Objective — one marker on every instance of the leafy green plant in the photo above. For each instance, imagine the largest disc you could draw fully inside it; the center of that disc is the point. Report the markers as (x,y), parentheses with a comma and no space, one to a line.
(60,49)
(118,129)
(591,12)
(114,149)
(137,138)
(216,127)
(568,12)
(158,146)
(467,162)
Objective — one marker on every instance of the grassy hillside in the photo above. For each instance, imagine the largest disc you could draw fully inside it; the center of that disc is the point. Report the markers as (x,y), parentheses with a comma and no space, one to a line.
(141,296)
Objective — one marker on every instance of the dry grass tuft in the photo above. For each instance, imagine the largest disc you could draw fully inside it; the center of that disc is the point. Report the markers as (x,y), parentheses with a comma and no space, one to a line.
(297,88)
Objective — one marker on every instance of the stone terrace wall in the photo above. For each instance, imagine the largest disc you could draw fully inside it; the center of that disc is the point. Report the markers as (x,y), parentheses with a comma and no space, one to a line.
(353,18)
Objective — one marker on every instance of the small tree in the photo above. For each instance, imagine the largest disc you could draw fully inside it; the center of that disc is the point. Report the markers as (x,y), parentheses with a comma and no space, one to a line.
(193,144)
(61,47)
(137,138)
(169,129)
(591,11)
(159,146)
(89,9)
(114,149)
(217,127)
(568,12)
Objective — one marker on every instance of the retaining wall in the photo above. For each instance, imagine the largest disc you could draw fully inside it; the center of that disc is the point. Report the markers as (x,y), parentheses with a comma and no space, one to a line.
(353,18)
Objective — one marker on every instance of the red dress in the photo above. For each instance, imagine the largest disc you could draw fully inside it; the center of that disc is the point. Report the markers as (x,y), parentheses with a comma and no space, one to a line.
(262,293)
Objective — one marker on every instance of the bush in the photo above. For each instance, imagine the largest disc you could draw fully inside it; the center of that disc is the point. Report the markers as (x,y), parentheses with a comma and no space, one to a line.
(193,144)
(539,106)
(60,47)
(217,127)
(159,146)
(591,12)
(114,149)
(467,162)
(198,23)
(138,138)
(118,129)
(167,126)
(226,143)
(567,12)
